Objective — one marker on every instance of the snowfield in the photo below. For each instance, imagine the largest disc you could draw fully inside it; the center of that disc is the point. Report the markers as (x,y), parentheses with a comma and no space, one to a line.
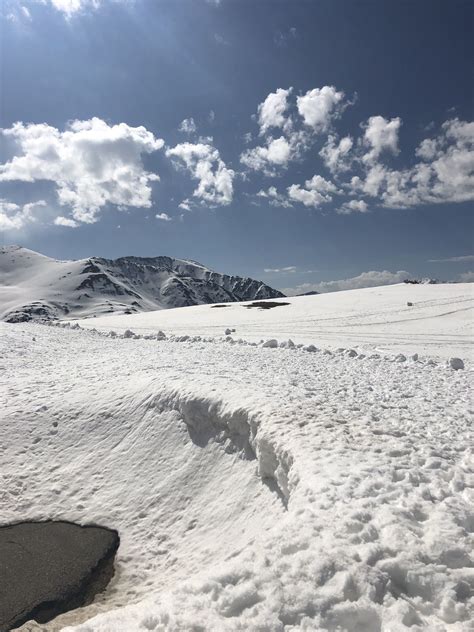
(440,321)
(256,488)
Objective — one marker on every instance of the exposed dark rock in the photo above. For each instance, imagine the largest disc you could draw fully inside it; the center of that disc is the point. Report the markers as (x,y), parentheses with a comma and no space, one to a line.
(266,304)
(48,568)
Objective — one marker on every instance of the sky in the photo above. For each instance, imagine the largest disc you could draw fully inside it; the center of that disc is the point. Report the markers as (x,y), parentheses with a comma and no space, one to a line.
(315,145)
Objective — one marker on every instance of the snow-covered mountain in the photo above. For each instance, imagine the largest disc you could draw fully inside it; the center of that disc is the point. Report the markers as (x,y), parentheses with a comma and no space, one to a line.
(33,286)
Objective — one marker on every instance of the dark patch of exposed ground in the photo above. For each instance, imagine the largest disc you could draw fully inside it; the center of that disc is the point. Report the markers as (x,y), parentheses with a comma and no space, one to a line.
(48,568)
(265,304)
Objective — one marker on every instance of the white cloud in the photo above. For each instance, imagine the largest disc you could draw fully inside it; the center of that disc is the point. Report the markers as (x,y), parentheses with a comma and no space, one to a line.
(70,7)
(316,191)
(277,153)
(381,135)
(467,277)
(427,149)
(320,106)
(14,216)
(26,12)
(204,163)
(445,175)
(271,113)
(336,155)
(275,198)
(185,205)
(65,221)
(91,163)
(287,270)
(353,206)
(188,126)
(461,259)
(163,216)
(372,278)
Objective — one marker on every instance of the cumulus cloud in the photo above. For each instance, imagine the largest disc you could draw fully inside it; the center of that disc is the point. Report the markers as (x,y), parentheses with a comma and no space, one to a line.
(372,278)
(467,277)
(380,136)
(15,216)
(276,154)
(316,191)
(65,221)
(215,180)
(461,259)
(446,173)
(91,163)
(188,126)
(353,206)
(300,121)
(320,106)
(336,155)
(271,113)
(163,216)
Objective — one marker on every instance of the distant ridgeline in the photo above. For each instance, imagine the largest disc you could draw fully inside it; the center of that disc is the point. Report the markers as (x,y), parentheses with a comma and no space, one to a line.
(35,287)
(422,281)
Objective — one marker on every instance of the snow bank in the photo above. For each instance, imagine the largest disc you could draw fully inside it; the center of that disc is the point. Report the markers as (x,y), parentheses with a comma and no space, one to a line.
(253,488)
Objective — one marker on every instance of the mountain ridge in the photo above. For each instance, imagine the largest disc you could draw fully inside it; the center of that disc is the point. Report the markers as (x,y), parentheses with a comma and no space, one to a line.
(36,287)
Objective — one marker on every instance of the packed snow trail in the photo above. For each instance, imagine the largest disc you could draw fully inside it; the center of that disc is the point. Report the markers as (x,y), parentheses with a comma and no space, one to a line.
(253,488)
(439,321)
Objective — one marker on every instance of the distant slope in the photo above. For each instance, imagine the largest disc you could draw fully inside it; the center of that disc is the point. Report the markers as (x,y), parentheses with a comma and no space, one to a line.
(436,320)
(33,286)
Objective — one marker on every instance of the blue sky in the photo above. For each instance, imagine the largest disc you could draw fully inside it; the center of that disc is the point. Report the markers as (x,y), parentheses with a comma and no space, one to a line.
(293,141)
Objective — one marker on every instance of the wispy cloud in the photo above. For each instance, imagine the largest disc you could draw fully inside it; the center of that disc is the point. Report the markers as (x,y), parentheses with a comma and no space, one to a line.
(467,277)
(16,216)
(221,40)
(188,126)
(284,37)
(163,216)
(68,222)
(288,269)
(461,259)
(373,278)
